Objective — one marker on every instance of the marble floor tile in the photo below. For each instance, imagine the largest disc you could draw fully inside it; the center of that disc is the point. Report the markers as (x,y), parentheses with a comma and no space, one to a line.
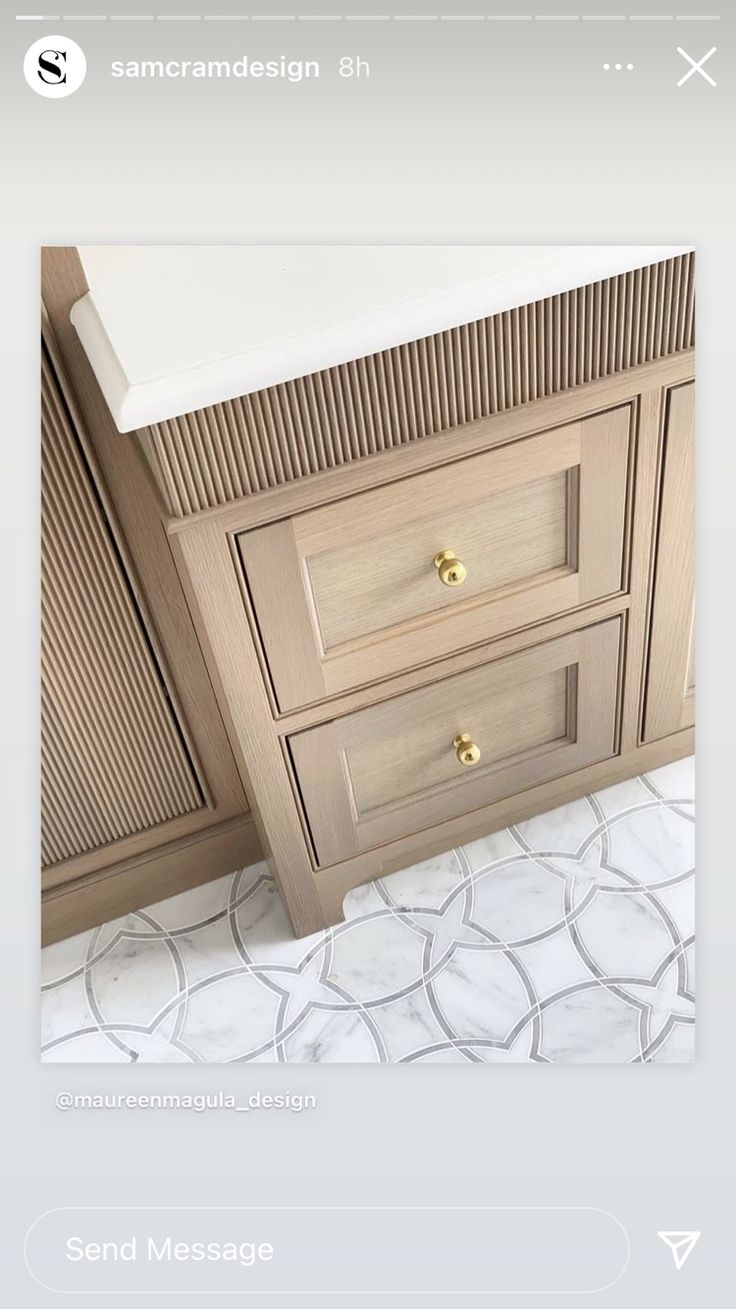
(564,939)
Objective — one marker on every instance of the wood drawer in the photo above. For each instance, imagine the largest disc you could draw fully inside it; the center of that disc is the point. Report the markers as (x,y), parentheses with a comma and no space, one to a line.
(349,593)
(390,770)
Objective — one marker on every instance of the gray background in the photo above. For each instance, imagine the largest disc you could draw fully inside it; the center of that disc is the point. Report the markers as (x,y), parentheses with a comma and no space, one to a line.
(497,132)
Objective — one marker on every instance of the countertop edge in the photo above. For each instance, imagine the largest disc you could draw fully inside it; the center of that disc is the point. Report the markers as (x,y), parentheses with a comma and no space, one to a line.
(134,406)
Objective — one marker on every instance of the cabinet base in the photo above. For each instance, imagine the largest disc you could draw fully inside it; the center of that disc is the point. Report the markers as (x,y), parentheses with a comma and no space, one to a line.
(124,887)
(134,883)
(333,884)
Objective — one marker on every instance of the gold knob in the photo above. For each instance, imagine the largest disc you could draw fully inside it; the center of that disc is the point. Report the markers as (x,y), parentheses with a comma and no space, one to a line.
(451,569)
(466,750)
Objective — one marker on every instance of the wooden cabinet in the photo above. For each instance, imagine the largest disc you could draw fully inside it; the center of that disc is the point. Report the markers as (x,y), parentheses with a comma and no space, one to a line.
(349,669)
(400,603)
(402,766)
(669,702)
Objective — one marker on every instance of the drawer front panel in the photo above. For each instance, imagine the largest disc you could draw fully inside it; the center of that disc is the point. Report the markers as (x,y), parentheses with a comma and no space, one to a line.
(393,769)
(351,593)
(504,539)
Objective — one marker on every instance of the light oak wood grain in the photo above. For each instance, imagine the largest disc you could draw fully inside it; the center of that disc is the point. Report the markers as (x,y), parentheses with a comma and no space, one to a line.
(141,535)
(207,549)
(670,690)
(213,582)
(431,671)
(543,648)
(113,760)
(503,538)
(643,493)
(446,448)
(358,580)
(173,867)
(111,817)
(391,769)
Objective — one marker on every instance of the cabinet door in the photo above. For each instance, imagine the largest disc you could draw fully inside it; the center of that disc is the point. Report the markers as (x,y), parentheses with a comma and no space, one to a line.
(114,759)
(166,808)
(670,689)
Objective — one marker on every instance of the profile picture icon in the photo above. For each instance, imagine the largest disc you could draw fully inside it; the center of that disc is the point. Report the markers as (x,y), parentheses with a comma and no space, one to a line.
(55,67)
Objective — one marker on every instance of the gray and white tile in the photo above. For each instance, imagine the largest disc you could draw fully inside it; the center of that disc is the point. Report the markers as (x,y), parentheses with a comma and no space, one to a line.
(565,939)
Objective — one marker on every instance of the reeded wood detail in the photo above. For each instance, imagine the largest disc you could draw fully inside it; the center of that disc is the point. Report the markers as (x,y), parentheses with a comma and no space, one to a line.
(314,423)
(113,760)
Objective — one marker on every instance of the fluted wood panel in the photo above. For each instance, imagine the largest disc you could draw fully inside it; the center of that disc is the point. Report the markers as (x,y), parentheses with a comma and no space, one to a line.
(314,423)
(113,759)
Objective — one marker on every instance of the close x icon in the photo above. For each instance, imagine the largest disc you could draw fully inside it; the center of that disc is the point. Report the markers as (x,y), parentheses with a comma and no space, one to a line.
(696,66)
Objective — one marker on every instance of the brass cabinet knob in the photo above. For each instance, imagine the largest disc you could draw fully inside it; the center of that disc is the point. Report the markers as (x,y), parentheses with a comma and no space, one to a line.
(452,570)
(467,751)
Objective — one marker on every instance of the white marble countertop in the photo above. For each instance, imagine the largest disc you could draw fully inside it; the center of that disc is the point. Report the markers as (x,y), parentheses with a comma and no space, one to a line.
(169,329)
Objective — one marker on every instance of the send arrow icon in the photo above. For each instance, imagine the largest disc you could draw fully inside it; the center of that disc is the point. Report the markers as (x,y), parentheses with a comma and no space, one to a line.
(681,1244)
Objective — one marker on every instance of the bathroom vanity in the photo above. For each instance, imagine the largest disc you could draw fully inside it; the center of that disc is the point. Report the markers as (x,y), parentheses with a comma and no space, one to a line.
(384,549)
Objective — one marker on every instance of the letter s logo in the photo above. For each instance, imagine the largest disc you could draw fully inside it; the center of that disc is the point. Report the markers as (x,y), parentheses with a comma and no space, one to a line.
(55,67)
(52,66)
